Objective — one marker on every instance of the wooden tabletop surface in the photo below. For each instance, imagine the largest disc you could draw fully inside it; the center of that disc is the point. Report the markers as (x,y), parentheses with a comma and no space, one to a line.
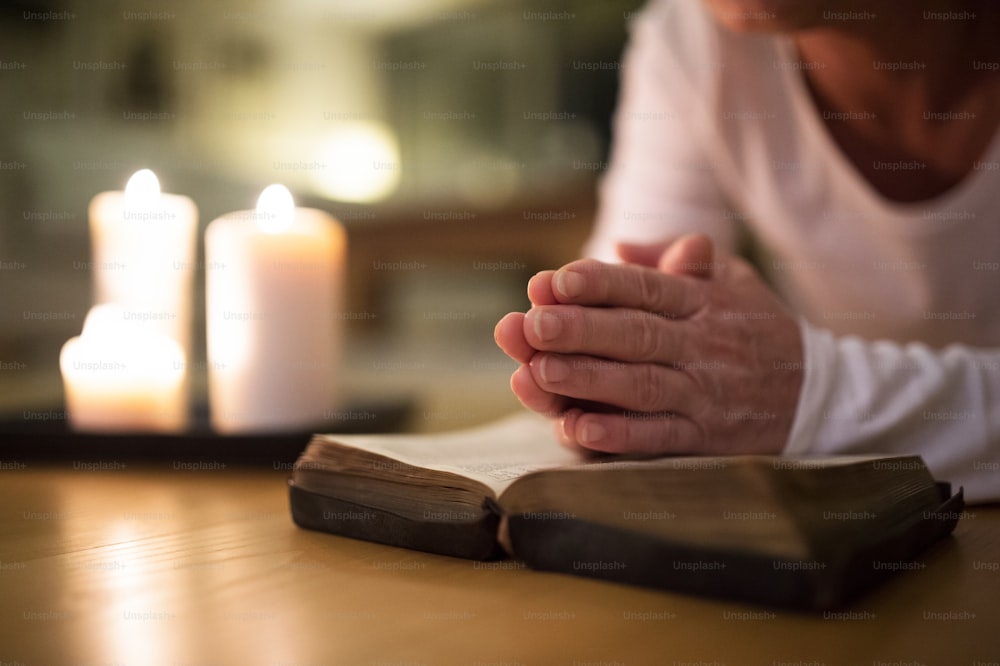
(191,566)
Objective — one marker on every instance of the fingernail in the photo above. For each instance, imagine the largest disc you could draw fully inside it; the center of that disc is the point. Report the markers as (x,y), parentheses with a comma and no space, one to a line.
(547,326)
(552,369)
(565,427)
(592,432)
(569,284)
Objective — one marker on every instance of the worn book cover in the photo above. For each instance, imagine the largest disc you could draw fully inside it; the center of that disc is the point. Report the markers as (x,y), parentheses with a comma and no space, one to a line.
(809,533)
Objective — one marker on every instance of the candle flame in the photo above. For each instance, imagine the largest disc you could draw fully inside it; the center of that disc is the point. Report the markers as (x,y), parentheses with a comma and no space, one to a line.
(102,319)
(110,335)
(142,189)
(119,375)
(275,209)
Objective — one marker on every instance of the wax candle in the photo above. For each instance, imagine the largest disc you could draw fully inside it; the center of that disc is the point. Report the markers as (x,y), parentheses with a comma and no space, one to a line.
(119,376)
(273,283)
(143,247)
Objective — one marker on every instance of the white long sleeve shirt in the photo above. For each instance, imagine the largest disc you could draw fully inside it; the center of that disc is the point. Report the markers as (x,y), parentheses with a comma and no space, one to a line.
(716,132)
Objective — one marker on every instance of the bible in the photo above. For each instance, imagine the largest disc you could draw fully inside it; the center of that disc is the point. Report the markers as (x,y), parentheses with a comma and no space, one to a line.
(795,532)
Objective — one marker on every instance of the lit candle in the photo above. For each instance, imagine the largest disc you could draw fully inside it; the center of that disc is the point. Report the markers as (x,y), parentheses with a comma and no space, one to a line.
(273,284)
(143,244)
(121,377)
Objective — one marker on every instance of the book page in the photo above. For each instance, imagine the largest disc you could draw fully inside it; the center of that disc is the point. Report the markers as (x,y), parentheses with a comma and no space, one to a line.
(494,454)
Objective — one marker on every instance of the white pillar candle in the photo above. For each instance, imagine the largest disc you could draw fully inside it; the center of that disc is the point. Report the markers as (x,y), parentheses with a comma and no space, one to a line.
(143,248)
(273,286)
(119,376)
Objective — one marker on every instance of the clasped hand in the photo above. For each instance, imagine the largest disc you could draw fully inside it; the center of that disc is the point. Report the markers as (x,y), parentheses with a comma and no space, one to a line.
(673,351)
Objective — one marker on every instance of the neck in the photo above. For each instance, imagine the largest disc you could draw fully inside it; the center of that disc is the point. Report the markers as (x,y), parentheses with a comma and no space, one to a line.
(905,52)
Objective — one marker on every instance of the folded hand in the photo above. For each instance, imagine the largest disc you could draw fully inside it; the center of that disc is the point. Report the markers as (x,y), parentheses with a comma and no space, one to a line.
(686,354)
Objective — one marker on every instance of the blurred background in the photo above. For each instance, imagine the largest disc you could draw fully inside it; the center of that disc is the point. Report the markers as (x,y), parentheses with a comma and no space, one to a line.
(459,141)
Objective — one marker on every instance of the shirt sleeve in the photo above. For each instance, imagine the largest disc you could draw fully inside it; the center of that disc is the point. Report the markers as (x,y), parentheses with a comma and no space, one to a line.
(883,397)
(660,182)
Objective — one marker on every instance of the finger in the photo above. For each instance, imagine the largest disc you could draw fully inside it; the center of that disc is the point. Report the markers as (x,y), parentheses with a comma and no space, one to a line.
(688,255)
(615,333)
(540,289)
(533,397)
(644,254)
(653,434)
(509,336)
(590,282)
(565,426)
(639,387)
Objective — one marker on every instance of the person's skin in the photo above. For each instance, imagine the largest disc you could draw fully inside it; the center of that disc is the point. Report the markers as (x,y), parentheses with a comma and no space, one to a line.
(676,363)
(677,351)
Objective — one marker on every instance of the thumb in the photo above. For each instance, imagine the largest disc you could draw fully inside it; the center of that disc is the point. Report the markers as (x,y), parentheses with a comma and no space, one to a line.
(688,255)
(644,254)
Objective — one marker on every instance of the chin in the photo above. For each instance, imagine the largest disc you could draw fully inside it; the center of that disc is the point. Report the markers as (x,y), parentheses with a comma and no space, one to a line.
(767,15)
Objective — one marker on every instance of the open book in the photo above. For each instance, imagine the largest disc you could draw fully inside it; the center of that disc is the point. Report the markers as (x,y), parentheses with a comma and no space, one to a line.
(795,532)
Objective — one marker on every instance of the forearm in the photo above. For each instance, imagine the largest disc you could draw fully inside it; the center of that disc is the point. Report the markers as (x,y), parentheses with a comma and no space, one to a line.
(882,397)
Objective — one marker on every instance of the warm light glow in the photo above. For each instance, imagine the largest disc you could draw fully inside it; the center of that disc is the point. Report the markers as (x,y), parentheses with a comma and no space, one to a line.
(142,190)
(121,375)
(122,352)
(275,209)
(361,163)
(103,320)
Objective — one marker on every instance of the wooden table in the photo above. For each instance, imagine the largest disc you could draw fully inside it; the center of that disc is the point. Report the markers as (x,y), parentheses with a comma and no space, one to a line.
(204,566)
